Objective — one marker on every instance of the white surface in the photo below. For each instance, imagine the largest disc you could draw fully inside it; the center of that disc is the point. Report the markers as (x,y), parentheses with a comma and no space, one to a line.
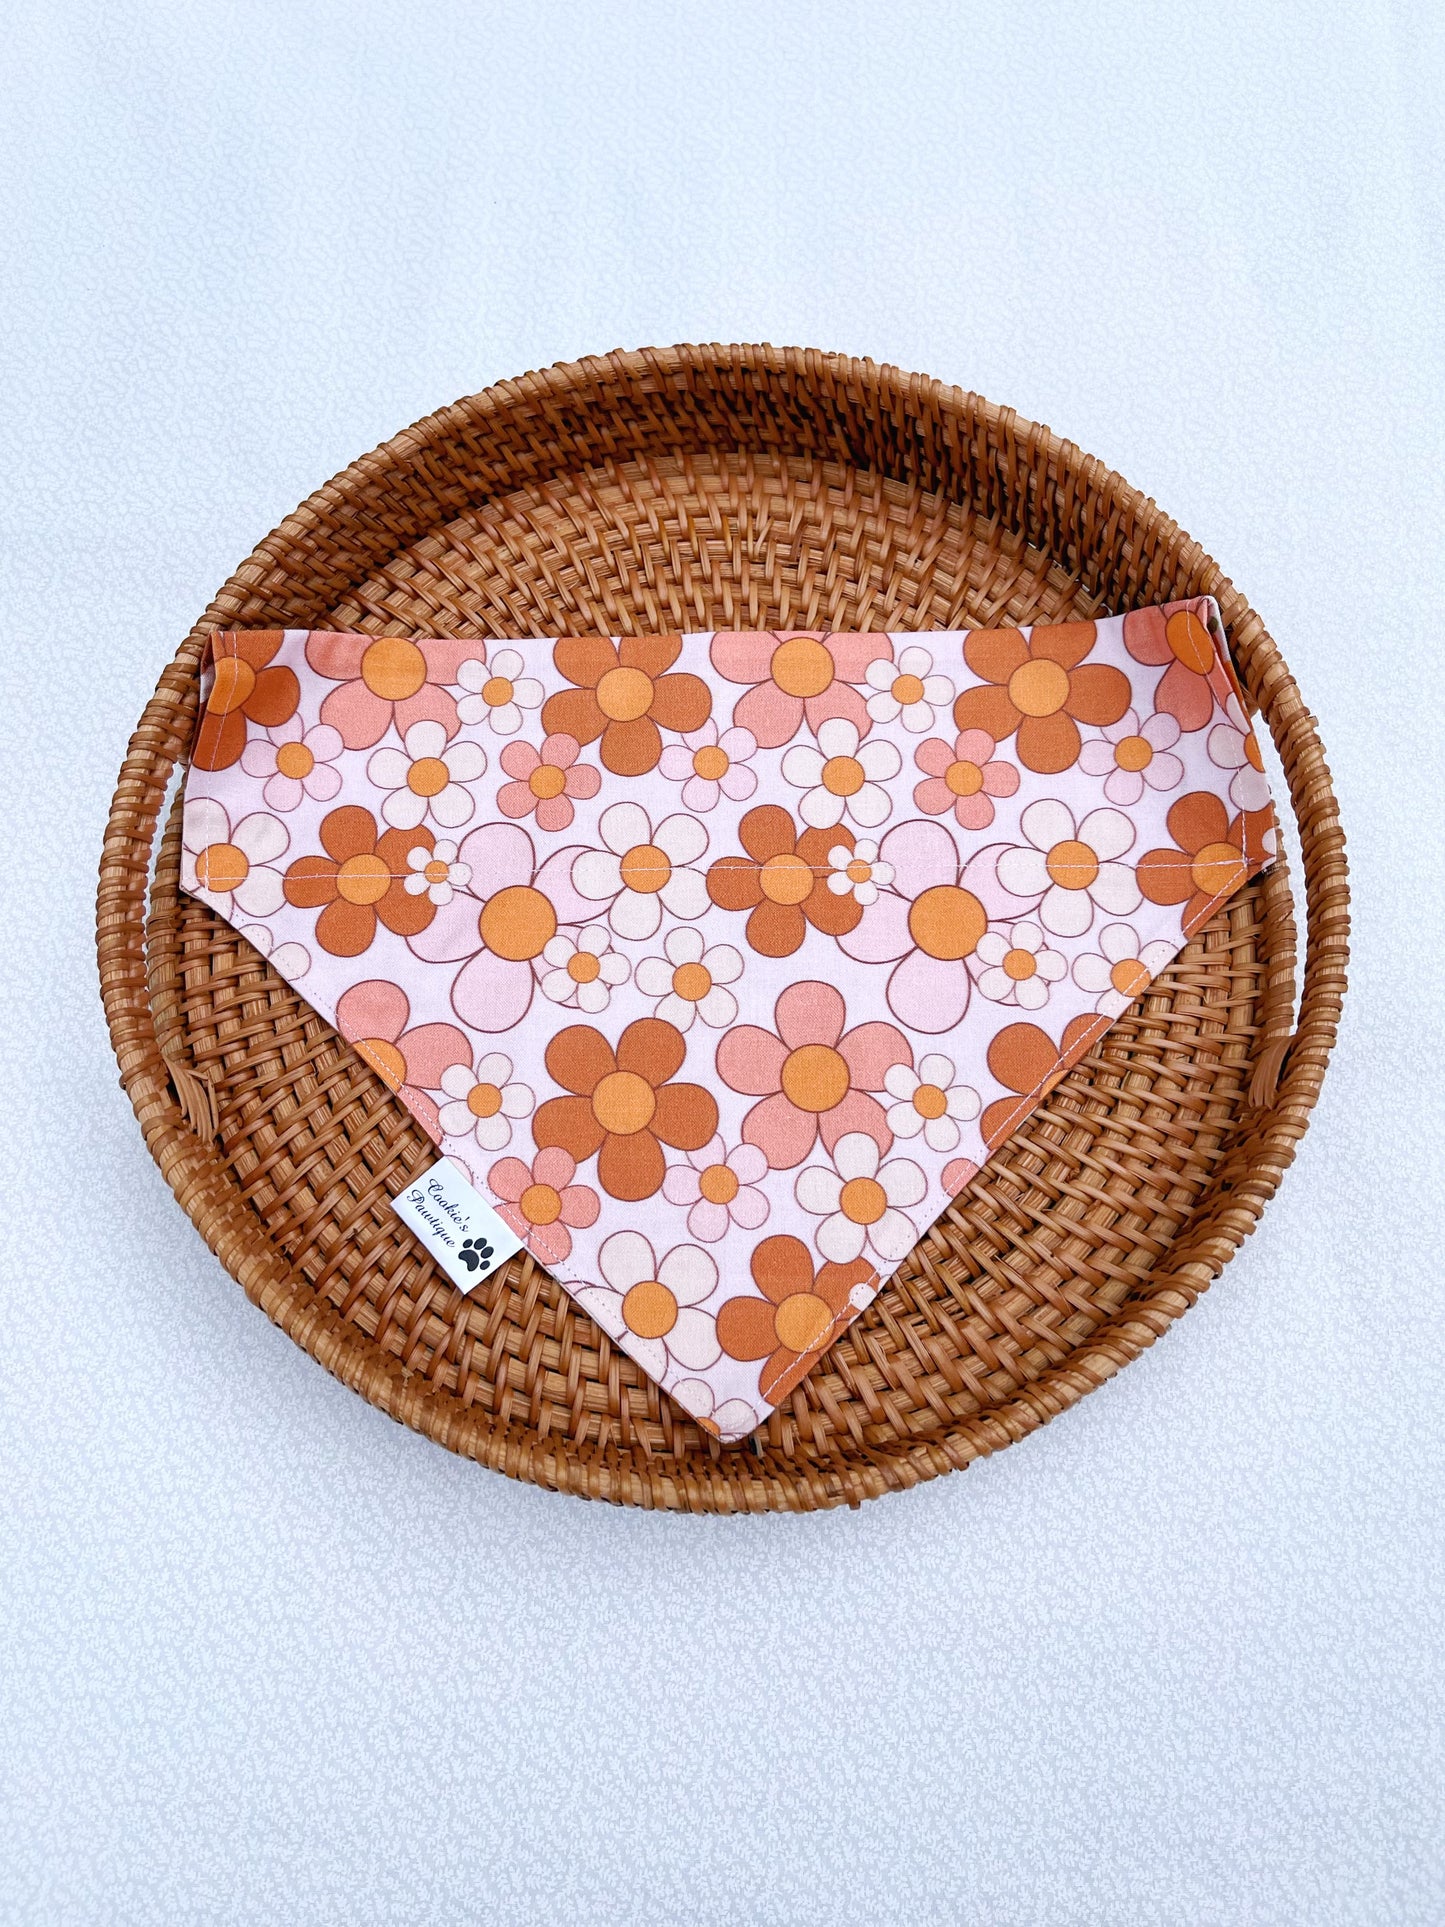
(268,1657)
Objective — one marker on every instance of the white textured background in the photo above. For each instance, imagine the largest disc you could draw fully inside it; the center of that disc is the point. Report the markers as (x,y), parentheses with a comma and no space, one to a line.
(264,1656)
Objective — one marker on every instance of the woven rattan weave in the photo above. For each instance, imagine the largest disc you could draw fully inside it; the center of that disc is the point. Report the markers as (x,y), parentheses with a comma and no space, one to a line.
(694,488)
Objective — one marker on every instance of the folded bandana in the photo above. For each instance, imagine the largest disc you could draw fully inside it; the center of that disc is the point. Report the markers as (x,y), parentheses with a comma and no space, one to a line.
(721,962)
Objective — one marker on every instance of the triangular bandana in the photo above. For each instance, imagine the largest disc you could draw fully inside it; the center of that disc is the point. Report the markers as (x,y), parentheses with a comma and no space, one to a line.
(720,962)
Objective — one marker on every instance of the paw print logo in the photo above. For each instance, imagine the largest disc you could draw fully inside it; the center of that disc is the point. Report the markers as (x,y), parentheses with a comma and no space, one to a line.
(475,1254)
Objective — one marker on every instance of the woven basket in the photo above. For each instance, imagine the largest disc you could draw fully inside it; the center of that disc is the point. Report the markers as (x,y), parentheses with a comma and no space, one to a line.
(699,488)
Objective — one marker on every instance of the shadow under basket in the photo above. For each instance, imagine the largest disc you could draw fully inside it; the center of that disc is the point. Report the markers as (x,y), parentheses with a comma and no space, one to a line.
(699,488)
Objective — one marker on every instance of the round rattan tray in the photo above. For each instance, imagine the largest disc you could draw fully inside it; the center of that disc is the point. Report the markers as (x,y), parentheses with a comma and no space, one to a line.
(698,488)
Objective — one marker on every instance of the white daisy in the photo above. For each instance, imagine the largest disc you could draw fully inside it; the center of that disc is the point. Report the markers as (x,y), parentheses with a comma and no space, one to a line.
(907,688)
(1072,868)
(235,863)
(436,872)
(644,871)
(1233,745)
(426,778)
(857,873)
(482,1103)
(293,960)
(733,1419)
(585,971)
(1121,969)
(689,979)
(859,1200)
(930,1101)
(1019,967)
(842,776)
(498,692)
(651,1309)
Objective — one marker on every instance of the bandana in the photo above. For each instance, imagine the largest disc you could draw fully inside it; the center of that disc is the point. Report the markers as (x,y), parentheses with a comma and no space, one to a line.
(719,963)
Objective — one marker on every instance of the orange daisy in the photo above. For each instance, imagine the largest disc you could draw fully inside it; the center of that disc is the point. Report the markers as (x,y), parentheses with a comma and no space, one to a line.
(799,1314)
(1214,856)
(623,694)
(245,690)
(1027,1062)
(782,881)
(361,877)
(1040,687)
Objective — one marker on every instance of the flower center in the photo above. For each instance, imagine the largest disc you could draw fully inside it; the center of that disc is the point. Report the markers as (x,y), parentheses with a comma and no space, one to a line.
(692,982)
(946,922)
(710,763)
(295,760)
(393,668)
(843,775)
(1129,976)
(436,871)
(646,869)
(517,923)
(546,781)
(540,1204)
(786,879)
(859,872)
(385,1059)
(1039,687)
(718,1184)
(363,879)
(428,776)
(235,679)
(649,1309)
(907,689)
(623,1103)
(801,666)
(1072,865)
(1190,642)
(964,779)
(496,690)
(624,694)
(929,1101)
(221,866)
(583,967)
(801,1320)
(1133,753)
(1218,867)
(484,1100)
(862,1200)
(815,1078)
(1019,965)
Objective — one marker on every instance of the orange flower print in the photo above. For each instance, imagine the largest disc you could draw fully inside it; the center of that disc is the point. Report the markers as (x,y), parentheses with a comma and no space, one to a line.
(361,878)
(653,1309)
(386,679)
(814,1078)
(542,1204)
(623,1105)
(800,1313)
(1028,1063)
(247,687)
(624,695)
(783,882)
(797,673)
(860,1199)
(1179,634)
(1041,687)
(373,1017)
(1214,856)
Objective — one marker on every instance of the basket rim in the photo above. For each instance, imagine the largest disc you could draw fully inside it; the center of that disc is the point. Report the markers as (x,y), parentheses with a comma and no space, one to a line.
(1287,1079)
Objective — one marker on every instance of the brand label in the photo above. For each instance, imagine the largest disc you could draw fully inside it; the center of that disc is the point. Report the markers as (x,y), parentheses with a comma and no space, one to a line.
(457,1226)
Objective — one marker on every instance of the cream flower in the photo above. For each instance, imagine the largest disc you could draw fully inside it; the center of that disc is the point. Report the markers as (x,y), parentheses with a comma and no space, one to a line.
(221,861)
(584,971)
(690,978)
(295,762)
(1019,967)
(1232,745)
(860,1200)
(293,960)
(436,872)
(720,1187)
(644,871)
(498,693)
(426,778)
(711,764)
(842,776)
(1072,868)
(1132,757)
(1121,969)
(908,689)
(858,873)
(651,1309)
(484,1102)
(929,1100)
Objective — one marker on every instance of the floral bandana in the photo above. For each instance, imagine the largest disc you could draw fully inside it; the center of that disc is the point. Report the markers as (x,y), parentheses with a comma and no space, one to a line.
(721,962)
